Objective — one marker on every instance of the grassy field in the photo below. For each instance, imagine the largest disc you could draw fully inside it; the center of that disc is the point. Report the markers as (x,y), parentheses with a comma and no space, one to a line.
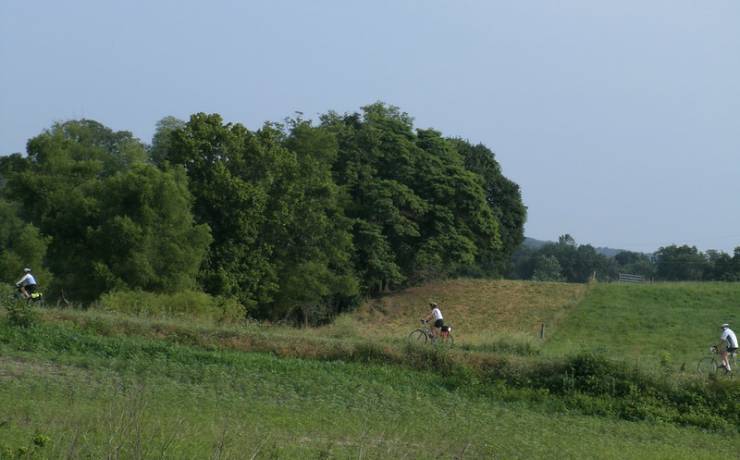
(138,398)
(86,384)
(669,322)
(479,310)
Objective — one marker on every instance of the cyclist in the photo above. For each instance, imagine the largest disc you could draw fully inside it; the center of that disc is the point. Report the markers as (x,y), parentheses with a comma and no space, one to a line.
(727,346)
(27,284)
(436,313)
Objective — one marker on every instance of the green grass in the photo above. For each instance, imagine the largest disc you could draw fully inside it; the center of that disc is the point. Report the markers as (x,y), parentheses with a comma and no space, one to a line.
(650,323)
(140,398)
(107,385)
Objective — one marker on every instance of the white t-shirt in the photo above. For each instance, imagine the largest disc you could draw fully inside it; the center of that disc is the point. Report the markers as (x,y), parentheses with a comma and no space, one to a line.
(730,337)
(26,280)
(437,314)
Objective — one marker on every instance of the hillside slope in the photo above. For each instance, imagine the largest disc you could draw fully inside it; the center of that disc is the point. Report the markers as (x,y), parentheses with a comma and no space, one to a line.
(673,322)
(477,308)
(669,322)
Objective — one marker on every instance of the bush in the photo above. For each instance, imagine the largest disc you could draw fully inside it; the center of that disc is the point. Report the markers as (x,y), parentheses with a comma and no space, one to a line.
(21,314)
(192,304)
(7,294)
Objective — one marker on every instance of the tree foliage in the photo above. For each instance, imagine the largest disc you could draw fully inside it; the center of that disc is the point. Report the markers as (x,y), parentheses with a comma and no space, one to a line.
(418,213)
(669,263)
(281,240)
(678,263)
(21,246)
(547,268)
(114,221)
(504,199)
(295,220)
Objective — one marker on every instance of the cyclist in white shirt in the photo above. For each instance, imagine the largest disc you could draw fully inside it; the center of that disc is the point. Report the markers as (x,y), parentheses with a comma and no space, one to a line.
(436,314)
(27,284)
(728,345)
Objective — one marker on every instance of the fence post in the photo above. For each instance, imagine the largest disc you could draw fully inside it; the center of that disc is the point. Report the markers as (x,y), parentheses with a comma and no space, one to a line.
(542,331)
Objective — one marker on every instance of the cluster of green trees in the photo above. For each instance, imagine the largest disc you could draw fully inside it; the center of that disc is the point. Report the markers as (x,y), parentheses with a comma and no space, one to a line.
(677,263)
(562,261)
(568,261)
(295,219)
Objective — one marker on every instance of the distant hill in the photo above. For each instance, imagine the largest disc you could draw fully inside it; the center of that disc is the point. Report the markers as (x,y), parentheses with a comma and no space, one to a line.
(536,244)
(533,243)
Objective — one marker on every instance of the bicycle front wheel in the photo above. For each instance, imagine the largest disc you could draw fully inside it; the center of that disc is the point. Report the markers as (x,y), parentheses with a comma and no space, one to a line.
(706,366)
(418,336)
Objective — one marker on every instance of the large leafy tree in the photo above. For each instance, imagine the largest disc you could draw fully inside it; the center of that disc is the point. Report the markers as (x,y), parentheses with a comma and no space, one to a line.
(576,263)
(231,172)
(503,197)
(547,268)
(113,219)
(676,263)
(161,141)
(315,250)
(145,237)
(281,241)
(21,245)
(635,263)
(417,211)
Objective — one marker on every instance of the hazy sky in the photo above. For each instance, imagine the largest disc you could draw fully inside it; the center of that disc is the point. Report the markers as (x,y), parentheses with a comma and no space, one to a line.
(620,120)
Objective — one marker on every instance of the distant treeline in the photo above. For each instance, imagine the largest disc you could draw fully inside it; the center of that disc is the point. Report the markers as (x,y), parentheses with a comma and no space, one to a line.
(294,220)
(568,261)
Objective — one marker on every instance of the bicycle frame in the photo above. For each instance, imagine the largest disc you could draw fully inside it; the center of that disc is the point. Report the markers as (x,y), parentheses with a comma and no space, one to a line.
(424,333)
(713,363)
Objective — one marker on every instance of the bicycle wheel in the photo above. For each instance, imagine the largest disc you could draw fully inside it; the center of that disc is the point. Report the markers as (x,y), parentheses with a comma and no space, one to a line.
(418,336)
(706,366)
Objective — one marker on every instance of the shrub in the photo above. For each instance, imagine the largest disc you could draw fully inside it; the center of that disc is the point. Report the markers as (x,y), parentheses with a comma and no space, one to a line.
(21,314)
(6,294)
(29,451)
(193,304)
(344,326)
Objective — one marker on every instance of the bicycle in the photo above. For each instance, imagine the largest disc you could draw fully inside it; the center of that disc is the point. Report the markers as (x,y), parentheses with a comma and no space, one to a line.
(712,364)
(36,297)
(424,334)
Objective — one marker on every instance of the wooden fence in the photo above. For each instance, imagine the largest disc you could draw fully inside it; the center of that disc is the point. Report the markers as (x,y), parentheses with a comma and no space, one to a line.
(627,278)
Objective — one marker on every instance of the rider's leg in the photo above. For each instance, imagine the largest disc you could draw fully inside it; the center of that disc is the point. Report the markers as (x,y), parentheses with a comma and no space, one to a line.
(436,328)
(725,361)
(24,293)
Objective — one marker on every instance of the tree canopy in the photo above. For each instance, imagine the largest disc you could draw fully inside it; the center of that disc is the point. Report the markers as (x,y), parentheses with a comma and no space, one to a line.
(113,220)
(294,219)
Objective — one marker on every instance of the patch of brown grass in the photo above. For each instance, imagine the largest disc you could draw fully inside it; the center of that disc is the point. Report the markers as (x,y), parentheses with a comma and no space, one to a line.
(475,307)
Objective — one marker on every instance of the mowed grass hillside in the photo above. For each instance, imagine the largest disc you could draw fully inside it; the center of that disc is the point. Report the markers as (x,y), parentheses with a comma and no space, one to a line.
(673,323)
(669,323)
(479,310)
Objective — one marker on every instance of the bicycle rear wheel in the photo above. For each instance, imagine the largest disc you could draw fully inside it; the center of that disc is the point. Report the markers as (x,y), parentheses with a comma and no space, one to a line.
(445,340)
(706,366)
(418,336)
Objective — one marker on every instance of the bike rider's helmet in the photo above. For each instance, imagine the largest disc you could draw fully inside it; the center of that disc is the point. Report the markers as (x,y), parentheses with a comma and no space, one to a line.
(725,326)
(26,270)
(433,304)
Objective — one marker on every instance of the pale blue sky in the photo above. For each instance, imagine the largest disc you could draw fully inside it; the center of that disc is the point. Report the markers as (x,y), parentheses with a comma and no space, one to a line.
(620,120)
